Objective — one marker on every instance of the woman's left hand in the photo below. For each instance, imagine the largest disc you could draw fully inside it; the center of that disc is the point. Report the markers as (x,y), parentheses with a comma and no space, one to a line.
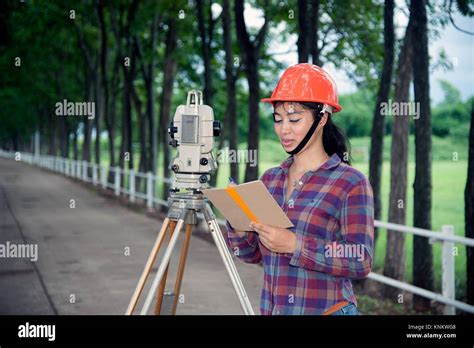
(276,239)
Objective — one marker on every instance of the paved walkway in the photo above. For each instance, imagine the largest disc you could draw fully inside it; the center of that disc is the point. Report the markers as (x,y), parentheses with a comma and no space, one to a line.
(82,266)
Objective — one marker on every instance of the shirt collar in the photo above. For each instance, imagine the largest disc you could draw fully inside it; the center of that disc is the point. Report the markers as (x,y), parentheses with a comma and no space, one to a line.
(332,162)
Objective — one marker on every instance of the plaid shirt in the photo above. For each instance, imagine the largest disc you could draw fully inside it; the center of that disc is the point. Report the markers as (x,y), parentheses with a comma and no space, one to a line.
(329,207)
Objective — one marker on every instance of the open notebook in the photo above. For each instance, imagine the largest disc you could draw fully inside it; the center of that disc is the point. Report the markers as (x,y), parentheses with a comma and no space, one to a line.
(248,202)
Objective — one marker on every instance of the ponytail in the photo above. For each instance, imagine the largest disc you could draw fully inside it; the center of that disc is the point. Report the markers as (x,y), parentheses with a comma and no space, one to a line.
(334,139)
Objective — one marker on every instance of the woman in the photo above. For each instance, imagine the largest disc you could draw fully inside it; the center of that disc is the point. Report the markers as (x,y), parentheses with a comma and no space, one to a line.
(308,268)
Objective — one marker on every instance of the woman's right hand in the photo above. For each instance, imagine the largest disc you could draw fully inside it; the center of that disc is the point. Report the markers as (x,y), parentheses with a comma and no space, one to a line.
(239,233)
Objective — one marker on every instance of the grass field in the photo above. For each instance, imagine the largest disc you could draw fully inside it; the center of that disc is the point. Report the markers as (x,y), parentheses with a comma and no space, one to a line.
(449,172)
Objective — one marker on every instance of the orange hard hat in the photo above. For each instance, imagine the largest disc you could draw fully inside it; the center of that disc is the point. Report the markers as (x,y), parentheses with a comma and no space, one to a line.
(306,83)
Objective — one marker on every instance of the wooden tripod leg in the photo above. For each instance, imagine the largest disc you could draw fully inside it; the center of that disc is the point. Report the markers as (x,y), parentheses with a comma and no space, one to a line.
(161,287)
(182,263)
(148,266)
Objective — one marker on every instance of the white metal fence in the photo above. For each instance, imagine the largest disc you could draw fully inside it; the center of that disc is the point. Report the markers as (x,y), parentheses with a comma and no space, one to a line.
(98,176)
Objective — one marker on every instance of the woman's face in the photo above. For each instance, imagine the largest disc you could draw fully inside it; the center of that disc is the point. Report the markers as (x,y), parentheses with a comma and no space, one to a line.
(291,123)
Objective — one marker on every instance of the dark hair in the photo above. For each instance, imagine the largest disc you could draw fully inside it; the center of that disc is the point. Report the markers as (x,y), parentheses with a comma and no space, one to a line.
(334,139)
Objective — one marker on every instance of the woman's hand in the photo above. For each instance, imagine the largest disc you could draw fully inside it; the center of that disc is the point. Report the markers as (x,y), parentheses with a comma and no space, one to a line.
(279,240)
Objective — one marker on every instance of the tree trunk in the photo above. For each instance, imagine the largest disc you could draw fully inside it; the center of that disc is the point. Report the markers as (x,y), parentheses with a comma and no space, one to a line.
(63,136)
(303,49)
(394,266)
(104,87)
(469,213)
(98,115)
(378,121)
(89,76)
(74,144)
(422,251)
(314,34)
(230,129)
(250,54)
(251,172)
(111,126)
(206,31)
(86,148)
(147,70)
(166,95)
(142,166)
(128,77)
(67,131)
(52,136)
(206,51)
(150,112)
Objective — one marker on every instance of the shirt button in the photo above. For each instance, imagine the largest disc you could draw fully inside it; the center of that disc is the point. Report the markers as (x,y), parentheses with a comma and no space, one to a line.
(301,183)
(290,203)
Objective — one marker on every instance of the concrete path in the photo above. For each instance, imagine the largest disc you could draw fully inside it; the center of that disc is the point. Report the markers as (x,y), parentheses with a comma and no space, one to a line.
(82,264)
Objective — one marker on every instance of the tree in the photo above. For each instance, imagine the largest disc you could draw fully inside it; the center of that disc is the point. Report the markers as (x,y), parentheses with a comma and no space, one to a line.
(128,63)
(250,56)
(314,32)
(303,37)
(90,57)
(147,59)
(378,121)
(230,120)
(422,251)
(308,26)
(206,32)
(394,266)
(469,212)
(169,69)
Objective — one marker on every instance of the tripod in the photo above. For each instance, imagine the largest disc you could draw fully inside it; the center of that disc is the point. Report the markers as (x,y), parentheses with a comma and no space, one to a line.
(183,209)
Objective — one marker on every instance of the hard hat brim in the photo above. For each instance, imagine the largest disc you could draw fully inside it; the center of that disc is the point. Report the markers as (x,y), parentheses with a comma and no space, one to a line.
(336,107)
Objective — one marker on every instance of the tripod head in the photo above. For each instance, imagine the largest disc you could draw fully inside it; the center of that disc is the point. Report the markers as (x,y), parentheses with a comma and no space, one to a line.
(192,132)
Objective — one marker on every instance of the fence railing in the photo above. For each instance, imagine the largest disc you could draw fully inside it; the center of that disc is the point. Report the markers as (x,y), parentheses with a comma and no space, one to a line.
(98,176)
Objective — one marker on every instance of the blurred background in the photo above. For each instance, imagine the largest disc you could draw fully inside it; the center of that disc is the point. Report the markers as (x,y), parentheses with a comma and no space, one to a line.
(136,60)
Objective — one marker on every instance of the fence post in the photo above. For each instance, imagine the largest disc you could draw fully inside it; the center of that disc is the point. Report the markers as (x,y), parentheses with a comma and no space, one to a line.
(84,171)
(94,174)
(131,180)
(117,181)
(66,167)
(448,276)
(103,177)
(149,190)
